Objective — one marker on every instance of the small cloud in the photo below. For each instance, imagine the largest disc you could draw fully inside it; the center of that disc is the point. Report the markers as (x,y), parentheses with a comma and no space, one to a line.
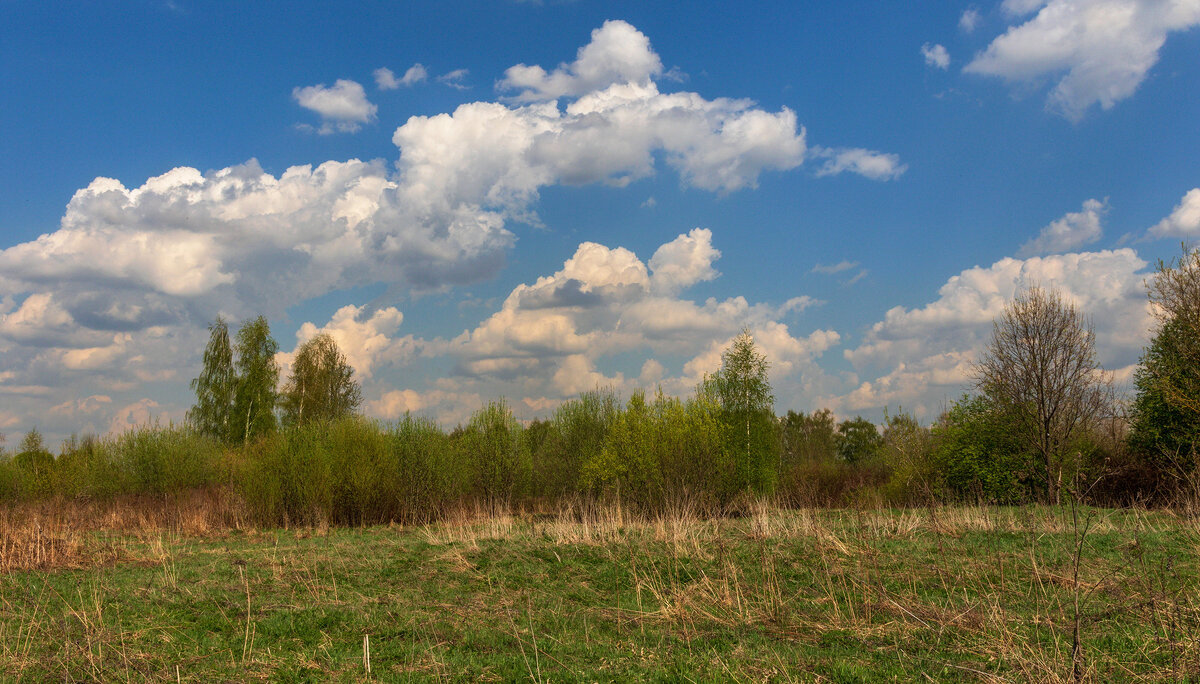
(880,166)
(454,79)
(675,74)
(343,107)
(798,304)
(1073,230)
(857,277)
(385,79)
(935,56)
(969,20)
(830,269)
(649,203)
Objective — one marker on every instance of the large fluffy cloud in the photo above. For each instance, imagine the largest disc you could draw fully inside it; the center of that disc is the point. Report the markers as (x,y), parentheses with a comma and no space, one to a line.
(617,53)
(1098,50)
(182,247)
(605,301)
(921,357)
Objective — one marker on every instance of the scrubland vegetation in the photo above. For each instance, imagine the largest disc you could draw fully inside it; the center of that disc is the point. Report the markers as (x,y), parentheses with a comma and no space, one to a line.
(1037,530)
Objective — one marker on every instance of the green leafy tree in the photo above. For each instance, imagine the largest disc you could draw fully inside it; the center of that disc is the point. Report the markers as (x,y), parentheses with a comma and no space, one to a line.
(809,437)
(1175,367)
(748,412)
(216,386)
(977,456)
(494,448)
(858,440)
(907,449)
(322,384)
(257,379)
(1162,431)
(36,460)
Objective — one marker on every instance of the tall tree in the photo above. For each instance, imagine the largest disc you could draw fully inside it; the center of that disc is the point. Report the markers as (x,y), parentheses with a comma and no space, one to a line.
(216,386)
(322,384)
(257,379)
(1041,369)
(1162,428)
(1175,371)
(748,411)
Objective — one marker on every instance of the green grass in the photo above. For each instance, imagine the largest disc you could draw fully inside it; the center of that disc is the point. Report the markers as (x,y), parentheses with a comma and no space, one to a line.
(953,594)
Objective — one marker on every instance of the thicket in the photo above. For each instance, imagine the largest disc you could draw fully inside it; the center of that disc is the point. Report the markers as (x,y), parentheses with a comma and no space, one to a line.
(713,451)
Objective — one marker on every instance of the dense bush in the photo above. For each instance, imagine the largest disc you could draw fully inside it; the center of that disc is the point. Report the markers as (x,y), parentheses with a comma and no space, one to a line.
(976,457)
(495,455)
(149,460)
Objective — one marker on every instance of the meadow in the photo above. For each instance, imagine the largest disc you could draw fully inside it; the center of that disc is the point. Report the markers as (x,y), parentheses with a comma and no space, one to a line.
(190,588)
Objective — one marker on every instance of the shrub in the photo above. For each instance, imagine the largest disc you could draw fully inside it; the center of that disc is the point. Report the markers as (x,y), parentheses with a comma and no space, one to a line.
(978,457)
(496,456)
(907,452)
(574,436)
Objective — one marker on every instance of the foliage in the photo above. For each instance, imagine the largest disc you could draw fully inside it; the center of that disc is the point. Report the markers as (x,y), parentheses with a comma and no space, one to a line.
(322,384)
(977,458)
(494,453)
(743,391)
(1040,369)
(349,470)
(1175,369)
(215,387)
(807,437)
(907,450)
(628,464)
(257,378)
(573,436)
(858,440)
(665,452)
(1165,435)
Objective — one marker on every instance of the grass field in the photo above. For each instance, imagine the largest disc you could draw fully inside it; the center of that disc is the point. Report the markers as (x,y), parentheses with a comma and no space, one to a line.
(588,593)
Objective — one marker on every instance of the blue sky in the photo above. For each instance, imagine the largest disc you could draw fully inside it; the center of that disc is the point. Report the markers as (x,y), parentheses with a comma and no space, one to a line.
(532,199)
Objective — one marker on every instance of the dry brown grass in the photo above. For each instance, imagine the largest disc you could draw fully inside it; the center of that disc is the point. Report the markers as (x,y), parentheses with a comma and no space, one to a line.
(69,533)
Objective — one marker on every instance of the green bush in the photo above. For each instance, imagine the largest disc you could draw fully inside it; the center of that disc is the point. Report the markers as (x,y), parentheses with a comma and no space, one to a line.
(574,436)
(978,458)
(427,476)
(495,454)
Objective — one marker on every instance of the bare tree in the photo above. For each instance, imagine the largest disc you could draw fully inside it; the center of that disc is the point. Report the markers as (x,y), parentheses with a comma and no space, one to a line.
(1041,369)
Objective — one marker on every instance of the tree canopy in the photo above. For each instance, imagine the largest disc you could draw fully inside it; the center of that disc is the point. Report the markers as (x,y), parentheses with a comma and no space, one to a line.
(1041,370)
(322,384)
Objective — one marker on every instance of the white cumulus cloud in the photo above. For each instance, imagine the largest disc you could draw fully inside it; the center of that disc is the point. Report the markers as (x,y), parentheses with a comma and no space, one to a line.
(343,107)
(879,166)
(385,78)
(921,357)
(1072,231)
(969,20)
(1097,51)
(550,337)
(1184,220)
(617,53)
(367,341)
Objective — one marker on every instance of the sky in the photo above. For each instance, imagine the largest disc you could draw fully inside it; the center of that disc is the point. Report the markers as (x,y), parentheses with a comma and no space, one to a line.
(528,200)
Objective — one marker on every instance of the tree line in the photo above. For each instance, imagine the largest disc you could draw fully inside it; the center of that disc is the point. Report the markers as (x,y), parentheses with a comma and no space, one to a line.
(1041,423)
